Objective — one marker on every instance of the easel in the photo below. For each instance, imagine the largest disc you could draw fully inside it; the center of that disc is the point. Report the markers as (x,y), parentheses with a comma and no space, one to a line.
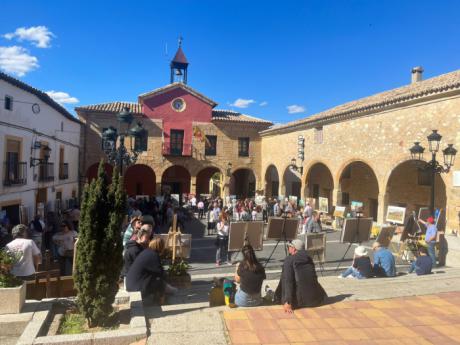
(282,238)
(174,234)
(403,254)
(316,250)
(355,240)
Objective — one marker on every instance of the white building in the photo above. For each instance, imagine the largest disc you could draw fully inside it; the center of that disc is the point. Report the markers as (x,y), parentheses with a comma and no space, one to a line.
(33,127)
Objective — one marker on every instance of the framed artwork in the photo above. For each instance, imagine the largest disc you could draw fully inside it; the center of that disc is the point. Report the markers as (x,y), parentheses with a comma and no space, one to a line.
(339,211)
(323,205)
(396,214)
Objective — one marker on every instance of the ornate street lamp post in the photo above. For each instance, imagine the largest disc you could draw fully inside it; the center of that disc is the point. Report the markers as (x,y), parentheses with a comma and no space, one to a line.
(121,155)
(434,166)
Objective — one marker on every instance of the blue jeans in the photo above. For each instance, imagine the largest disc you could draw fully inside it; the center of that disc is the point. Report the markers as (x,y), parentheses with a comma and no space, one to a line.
(242,299)
(432,252)
(353,272)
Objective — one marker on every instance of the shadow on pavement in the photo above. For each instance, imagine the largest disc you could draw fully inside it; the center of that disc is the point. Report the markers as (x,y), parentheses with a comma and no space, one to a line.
(337,298)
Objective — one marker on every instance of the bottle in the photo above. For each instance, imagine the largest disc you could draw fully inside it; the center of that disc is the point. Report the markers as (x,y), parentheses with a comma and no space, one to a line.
(269,294)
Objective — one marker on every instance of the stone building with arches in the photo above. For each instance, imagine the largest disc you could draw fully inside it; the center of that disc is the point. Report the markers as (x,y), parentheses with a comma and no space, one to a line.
(360,150)
(357,151)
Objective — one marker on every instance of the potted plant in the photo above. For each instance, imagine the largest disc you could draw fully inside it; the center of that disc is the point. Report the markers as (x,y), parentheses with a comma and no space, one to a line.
(12,289)
(178,275)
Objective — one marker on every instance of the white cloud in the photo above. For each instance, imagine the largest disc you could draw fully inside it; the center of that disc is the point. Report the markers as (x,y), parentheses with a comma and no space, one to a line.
(17,60)
(263,104)
(40,36)
(242,103)
(62,97)
(295,109)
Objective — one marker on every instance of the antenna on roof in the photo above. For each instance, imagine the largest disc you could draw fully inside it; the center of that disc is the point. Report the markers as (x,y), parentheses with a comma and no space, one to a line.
(180,40)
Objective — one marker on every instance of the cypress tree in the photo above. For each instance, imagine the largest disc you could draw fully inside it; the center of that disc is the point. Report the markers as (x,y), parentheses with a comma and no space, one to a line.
(99,250)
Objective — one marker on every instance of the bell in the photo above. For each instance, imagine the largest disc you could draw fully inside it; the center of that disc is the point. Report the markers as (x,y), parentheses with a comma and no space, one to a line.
(178,72)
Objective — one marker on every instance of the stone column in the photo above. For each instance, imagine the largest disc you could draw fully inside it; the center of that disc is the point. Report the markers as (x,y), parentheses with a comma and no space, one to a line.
(336,197)
(193,185)
(383,201)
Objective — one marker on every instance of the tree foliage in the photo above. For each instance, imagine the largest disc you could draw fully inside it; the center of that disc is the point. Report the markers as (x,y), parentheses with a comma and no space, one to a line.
(99,249)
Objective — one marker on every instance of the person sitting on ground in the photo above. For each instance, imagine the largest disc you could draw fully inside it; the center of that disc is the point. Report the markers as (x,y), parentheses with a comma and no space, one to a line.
(430,237)
(361,267)
(313,223)
(133,227)
(250,274)
(28,252)
(423,264)
(384,261)
(299,286)
(135,247)
(64,241)
(146,274)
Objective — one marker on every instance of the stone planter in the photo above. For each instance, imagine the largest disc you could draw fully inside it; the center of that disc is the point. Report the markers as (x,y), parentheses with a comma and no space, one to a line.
(12,299)
(184,281)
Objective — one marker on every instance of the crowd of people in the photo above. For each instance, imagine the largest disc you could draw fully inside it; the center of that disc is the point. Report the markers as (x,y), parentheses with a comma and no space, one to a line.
(143,266)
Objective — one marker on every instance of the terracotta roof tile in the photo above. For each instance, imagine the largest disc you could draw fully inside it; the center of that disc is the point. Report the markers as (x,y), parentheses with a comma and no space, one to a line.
(230,115)
(114,107)
(375,103)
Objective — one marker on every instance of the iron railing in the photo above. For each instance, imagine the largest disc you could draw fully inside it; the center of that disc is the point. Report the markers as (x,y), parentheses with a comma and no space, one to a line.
(64,171)
(46,172)
(15,173)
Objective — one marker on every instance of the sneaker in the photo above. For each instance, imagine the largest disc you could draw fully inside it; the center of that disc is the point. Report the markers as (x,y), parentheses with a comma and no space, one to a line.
(229,263)
(350,277)
(217,264)
(340,277)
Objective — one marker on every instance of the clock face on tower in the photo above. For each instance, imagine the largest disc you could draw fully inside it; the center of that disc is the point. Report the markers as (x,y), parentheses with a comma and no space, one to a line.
(178,104)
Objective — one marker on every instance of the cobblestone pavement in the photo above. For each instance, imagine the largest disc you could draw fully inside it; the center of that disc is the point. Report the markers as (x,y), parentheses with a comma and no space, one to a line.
(429,319)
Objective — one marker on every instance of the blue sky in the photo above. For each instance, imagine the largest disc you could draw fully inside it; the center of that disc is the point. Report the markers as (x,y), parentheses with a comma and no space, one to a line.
(309,54)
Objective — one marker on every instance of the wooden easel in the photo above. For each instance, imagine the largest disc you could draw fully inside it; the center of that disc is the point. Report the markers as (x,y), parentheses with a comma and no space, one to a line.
(174,235)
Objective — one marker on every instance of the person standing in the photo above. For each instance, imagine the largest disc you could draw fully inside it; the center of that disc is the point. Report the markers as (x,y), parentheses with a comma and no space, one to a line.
(222,239)
(200,206)
(430,237)
(135,247)
(65,240)
(37,226)
(250,274)
(30,255)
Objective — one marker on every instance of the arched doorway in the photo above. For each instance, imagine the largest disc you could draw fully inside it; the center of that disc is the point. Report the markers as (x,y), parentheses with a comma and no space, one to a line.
(272,182)
(91,173)
(140,179)
(175,180)
(208,181)
(410,187)
(359,183)
(292,183)
(243,183)
(319,183)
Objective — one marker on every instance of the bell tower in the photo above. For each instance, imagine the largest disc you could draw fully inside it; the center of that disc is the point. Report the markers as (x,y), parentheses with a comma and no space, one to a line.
(179,65)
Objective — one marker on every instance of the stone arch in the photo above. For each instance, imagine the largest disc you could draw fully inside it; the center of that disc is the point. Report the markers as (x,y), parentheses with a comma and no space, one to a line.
(292,183)
(272,181)
(203,181)
(175,180)
(319,182)
(358,182)
(140,179)
(91,172)
(410,188)
(243,183)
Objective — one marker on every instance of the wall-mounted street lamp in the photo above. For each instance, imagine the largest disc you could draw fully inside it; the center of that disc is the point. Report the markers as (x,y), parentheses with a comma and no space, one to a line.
(121,155)
(433,165)
(300,155)
(46,154)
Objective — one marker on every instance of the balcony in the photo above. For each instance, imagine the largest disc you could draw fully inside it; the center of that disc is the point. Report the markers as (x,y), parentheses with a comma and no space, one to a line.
(64,171)
(183,150)
(45,172)
(15,173)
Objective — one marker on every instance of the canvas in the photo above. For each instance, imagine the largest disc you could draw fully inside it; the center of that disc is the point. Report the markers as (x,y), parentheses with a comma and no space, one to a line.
(239,231)
(339,211)
(323,205)
(396,214)
(385,235)
(276,226)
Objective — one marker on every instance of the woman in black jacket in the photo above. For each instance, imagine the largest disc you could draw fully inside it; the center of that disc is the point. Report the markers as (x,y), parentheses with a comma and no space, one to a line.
(146,273)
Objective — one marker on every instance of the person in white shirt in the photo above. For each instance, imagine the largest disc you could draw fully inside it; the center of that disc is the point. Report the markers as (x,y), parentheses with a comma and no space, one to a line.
(193,204)
(65,240)
(200,209)
(28,251)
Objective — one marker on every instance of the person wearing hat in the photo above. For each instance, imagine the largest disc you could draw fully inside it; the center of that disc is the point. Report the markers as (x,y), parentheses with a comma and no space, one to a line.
(430,237)
(30,255)
(299,286)
(132,228)
(361,267)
